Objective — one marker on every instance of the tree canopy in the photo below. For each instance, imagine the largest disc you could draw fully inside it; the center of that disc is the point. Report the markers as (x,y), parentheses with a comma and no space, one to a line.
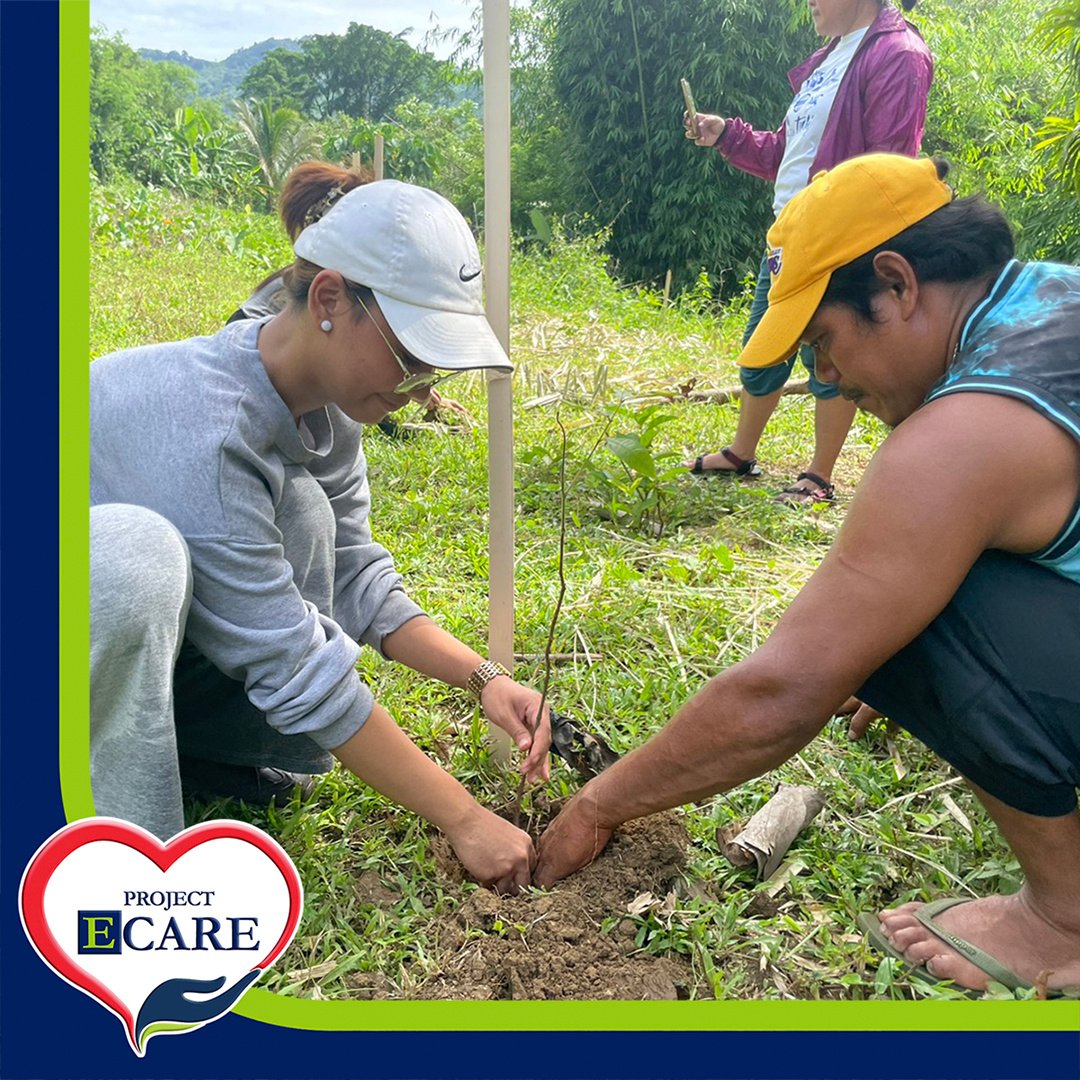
(126,93)
(363,73)
(597,138)
(616,67)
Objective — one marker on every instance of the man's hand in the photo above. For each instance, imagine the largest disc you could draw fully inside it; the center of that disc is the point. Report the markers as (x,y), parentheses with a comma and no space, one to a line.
(571,841)
(514,708)
(494,852)
(436,404)
(862,716)
(709,128)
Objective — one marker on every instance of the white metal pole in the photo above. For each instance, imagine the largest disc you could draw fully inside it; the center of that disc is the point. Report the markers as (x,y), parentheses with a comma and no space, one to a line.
(497,284)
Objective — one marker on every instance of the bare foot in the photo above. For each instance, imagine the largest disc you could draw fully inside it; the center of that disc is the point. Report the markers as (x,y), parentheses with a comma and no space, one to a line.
(1015,930)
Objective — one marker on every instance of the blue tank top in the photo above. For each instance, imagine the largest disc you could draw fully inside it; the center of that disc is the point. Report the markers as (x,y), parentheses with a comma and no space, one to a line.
(1023,341)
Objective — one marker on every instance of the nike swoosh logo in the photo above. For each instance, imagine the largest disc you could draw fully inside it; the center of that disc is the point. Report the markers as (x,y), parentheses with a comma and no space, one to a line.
(469,277)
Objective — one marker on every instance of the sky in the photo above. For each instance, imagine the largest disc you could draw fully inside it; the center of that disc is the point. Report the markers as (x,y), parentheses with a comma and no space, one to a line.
(212,29)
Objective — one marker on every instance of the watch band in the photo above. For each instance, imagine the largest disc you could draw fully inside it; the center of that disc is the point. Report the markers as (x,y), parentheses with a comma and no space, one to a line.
(488,670)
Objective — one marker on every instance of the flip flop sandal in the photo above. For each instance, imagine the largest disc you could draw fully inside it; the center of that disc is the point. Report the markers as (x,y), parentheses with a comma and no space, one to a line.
(822,491)
(870,924)
(742,466)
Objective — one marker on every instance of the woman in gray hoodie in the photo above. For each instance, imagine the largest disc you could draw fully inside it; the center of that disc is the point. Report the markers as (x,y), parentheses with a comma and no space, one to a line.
(233,572)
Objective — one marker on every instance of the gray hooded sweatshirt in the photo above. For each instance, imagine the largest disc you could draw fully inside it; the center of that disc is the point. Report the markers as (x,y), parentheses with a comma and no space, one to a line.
(195,431)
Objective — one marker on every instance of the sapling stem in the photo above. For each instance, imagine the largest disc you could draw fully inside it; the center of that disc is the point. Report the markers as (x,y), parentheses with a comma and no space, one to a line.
(558,600)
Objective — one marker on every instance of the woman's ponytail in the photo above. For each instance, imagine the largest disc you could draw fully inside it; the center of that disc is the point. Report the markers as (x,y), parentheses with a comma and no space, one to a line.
(310,190)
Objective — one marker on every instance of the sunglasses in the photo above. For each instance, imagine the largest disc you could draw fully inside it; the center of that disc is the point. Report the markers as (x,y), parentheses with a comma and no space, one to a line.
(414,380)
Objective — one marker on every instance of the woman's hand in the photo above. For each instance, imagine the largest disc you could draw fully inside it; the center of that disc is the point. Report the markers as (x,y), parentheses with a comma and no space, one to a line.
(572,840)
(427,648)
(514,708)
(494,852)
(709,128)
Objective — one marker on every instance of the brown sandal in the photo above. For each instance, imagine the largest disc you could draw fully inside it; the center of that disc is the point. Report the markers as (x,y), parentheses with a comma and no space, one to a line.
(743,466)
(822,491)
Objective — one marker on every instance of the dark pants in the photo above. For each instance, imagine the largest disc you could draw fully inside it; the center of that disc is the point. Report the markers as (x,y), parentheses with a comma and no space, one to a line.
(215,720)
(992,685)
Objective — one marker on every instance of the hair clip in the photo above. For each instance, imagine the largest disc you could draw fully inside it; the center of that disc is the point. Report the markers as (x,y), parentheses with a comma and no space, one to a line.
(323,205)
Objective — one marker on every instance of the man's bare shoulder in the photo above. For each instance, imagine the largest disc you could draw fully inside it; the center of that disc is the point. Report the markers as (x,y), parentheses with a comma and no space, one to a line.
(985,461)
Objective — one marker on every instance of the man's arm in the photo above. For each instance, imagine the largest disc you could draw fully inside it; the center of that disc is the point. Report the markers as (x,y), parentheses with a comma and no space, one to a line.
(947,485)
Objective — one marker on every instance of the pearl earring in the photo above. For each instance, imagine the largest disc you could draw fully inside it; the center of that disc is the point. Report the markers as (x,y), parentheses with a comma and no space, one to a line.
(326,325)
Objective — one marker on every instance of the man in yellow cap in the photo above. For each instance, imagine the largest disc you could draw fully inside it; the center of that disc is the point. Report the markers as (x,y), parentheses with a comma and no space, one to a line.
(950,600)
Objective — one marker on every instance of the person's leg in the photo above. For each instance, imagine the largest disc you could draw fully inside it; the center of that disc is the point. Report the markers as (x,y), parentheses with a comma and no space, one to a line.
(762,389)
(140,590)
(991,686)
(832,421)
(755,411)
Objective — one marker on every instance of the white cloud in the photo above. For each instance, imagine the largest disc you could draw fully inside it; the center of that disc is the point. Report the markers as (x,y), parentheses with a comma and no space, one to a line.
(212,29)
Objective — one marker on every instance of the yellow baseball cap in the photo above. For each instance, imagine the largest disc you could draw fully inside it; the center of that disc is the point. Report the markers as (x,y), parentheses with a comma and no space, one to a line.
(843,213)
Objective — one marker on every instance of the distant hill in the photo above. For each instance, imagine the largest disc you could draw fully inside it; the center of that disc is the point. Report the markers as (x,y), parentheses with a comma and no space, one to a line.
(222,78)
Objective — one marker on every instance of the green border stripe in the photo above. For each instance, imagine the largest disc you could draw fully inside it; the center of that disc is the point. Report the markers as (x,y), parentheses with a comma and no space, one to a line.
(270,1008)
(661,1015)
(74,287)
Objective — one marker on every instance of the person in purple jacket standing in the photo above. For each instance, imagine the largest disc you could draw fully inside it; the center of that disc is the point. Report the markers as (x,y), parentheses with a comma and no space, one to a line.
(864,91)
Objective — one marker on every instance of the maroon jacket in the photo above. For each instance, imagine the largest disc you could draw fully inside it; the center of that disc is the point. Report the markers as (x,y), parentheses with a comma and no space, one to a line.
(880,104)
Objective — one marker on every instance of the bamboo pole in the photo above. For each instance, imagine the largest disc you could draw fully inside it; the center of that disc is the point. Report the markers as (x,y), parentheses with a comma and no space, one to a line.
(497,285)
(379,145)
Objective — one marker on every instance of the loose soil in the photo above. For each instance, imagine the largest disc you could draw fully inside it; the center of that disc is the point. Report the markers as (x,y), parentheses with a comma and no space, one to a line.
(553,945)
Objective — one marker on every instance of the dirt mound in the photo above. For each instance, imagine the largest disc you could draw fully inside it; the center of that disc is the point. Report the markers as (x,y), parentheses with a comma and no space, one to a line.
(573,942)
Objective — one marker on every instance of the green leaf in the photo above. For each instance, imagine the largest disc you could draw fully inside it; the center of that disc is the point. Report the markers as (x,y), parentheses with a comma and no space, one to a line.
(630,451)
(541,225)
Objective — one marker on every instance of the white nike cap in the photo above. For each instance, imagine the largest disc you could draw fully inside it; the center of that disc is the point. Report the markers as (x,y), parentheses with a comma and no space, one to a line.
(416,253)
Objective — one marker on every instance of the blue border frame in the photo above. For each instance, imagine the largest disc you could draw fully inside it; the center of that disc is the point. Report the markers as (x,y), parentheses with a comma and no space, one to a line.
(81,1039)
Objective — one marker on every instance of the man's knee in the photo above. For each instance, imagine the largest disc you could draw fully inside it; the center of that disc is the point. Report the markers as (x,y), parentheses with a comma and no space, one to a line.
(140,572)
(990,684)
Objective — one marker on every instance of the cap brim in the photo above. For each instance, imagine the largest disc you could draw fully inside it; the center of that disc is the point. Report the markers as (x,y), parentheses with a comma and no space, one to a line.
(453,340)
(776,337)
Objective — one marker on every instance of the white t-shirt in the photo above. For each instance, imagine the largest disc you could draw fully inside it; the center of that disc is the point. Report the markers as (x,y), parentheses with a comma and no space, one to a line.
(806,118)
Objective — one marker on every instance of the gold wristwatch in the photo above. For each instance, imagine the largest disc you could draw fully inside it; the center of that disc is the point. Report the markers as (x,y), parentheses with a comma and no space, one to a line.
(488,670)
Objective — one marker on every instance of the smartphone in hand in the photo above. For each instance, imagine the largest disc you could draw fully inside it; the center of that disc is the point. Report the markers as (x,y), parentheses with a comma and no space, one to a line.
(691,111)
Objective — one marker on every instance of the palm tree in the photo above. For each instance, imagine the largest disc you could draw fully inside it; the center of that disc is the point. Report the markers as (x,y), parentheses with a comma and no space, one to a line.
(1060,137)
(280,138)
(1058,30)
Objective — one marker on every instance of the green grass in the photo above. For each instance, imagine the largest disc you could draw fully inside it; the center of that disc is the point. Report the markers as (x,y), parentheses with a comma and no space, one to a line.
(661,605)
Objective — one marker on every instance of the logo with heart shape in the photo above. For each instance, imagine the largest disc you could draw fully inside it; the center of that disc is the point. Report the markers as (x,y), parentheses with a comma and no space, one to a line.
(168,937)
